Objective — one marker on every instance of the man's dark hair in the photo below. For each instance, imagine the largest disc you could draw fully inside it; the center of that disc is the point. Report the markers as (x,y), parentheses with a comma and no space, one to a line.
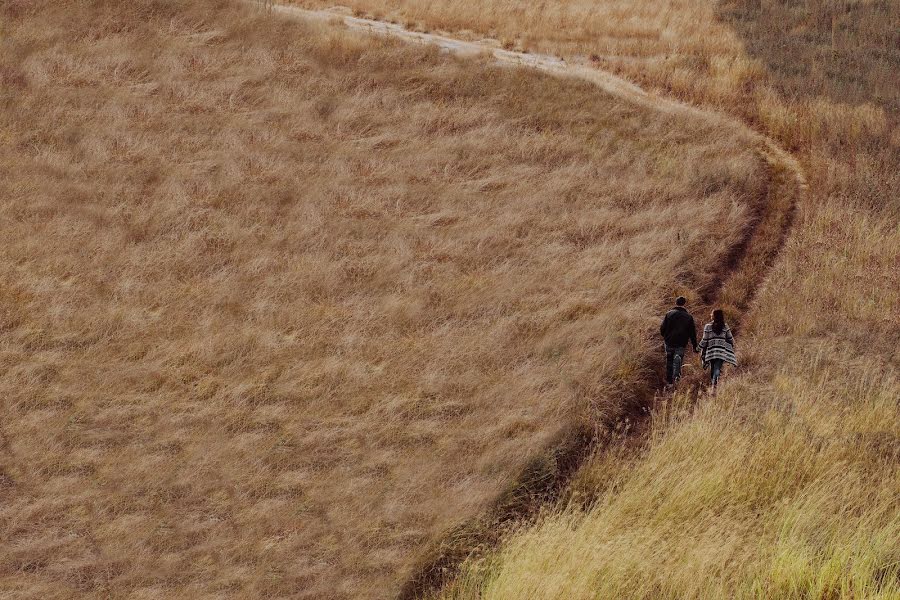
(680,301)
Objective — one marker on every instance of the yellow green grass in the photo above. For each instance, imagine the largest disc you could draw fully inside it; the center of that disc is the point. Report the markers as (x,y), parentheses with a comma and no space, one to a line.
(791,496)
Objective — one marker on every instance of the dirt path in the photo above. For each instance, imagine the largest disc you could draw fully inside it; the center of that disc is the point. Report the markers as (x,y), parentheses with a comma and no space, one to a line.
(606,81)
(741,276)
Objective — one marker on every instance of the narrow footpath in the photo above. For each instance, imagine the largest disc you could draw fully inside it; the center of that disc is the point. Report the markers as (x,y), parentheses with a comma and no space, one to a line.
(744,271)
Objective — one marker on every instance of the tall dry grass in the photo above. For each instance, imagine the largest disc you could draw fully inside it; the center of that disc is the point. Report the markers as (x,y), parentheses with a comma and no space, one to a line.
(784,486)
(816,400)
(279,305)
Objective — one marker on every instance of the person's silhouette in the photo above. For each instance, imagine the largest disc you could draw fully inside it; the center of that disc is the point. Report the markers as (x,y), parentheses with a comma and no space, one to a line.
(717,346)
(677,330)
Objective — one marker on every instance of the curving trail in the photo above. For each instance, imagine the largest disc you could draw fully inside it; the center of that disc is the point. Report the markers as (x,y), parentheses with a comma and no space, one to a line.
(606,81)
(743,273)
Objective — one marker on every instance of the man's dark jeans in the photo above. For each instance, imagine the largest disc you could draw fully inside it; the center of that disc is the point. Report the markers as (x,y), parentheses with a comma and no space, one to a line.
(674,359)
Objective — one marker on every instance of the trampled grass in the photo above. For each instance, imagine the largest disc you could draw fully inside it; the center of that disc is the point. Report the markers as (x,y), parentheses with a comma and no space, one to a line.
(280,305)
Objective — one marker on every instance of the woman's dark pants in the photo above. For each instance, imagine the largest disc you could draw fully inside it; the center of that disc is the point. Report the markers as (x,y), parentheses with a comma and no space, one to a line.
(715,369)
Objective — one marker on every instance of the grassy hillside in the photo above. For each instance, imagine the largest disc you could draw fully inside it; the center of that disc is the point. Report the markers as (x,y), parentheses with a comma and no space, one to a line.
(787,484)
(279,306)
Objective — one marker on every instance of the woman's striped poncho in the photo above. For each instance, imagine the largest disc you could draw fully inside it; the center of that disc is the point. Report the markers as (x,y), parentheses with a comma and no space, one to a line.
(718,345)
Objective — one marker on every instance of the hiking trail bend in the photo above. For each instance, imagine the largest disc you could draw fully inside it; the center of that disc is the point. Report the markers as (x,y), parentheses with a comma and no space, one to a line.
(757,249)
(610,83)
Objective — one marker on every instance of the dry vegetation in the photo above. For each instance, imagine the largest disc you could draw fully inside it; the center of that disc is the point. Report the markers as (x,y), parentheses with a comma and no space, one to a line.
(787,484)
(278,305)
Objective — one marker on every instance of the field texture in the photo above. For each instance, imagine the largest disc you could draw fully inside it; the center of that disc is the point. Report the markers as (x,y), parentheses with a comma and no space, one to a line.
(786,485)
(279,306)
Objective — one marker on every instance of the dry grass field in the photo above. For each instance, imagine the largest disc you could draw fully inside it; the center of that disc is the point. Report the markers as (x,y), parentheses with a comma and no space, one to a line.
(786,485)
(279,305)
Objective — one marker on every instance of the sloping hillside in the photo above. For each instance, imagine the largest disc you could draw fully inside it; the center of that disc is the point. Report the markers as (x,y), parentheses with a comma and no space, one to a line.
(786,484)
(279,306)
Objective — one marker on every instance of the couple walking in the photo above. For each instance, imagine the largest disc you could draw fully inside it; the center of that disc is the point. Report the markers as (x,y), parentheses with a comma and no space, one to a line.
(715,349)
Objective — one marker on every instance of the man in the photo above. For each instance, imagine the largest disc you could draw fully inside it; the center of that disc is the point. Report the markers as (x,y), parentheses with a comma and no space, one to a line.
(677,330)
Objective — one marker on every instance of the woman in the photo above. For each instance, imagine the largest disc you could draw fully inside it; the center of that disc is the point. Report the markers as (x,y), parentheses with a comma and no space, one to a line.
(717,346)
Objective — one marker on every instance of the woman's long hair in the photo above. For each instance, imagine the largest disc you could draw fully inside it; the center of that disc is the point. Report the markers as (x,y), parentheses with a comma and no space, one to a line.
(718,320)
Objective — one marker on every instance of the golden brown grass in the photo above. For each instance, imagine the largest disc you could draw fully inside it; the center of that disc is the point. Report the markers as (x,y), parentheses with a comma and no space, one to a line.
(279,305)
(791,496)
(787,485)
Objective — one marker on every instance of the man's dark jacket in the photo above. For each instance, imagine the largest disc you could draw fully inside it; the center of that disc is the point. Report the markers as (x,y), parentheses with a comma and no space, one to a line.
(678,328)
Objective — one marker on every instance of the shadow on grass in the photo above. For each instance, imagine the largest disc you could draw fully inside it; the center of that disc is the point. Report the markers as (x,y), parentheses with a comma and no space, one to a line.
(845,50)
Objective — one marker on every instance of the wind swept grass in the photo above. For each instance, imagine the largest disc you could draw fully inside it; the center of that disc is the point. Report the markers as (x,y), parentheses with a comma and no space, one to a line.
(787,484)
(791,496)
(279,306)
